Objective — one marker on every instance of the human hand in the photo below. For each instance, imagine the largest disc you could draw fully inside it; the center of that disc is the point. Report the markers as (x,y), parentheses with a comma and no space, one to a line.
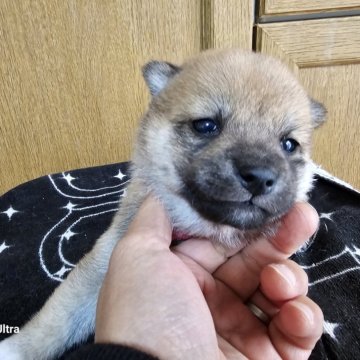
(190,302)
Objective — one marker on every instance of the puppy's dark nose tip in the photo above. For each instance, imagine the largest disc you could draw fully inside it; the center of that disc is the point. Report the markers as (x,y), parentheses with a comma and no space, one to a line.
(258,180)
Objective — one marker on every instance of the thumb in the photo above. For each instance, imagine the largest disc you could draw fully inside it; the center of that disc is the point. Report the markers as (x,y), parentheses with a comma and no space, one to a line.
(151,223)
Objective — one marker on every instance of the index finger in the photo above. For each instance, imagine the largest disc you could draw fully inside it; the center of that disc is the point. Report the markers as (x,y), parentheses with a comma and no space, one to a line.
(242,271)
(151,224)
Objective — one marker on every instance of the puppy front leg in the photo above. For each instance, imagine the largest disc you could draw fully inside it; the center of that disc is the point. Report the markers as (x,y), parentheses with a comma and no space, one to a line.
(68,317)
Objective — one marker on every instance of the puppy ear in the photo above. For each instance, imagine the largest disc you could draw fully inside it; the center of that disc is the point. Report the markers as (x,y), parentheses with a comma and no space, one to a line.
(318,112)
(157,74)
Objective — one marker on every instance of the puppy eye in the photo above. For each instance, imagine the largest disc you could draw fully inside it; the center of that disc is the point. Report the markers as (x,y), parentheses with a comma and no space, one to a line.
(289,145)
(206,126)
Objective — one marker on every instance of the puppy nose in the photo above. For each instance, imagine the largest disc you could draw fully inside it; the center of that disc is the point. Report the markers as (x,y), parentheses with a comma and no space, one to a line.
(258,180)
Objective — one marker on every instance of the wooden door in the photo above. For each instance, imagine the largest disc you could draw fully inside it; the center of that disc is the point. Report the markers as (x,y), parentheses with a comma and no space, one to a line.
(325,54)
(71,89)
(277,7)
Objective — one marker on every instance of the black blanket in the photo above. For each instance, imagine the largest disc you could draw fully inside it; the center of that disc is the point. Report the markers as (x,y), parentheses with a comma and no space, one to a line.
(48,224)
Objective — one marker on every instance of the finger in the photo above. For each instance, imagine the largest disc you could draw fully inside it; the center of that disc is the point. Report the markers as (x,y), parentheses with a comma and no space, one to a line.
(240,328)
(151,224)
(279,283)
(297,327)
(264,309)
(203,252)
(236,324)
(283,281)
(242,271)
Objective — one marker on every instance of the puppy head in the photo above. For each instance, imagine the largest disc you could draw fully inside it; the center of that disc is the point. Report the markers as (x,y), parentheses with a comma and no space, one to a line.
(227,137)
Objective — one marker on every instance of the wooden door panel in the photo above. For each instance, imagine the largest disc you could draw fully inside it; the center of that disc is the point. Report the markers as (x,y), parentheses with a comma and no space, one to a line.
(337,144)
(325,55)
(312,42)
(70,73)
(72,91)
(274,7)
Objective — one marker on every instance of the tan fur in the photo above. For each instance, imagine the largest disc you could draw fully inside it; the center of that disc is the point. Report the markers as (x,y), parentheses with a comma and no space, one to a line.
(260,97)
(259,100)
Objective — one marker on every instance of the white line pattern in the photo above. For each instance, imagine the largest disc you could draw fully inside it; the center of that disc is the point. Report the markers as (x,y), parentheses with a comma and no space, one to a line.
(343,259)
(81,197)
(87,206)
(69,179)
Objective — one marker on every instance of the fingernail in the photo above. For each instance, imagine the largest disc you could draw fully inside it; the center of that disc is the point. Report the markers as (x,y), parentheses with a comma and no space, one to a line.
(305,311)
(285,273)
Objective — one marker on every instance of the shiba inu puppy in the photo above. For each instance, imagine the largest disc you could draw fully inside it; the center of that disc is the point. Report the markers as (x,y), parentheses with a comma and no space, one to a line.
(225,145)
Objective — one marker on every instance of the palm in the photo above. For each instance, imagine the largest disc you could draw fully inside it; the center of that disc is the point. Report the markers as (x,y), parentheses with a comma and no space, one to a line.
(234,282)
(193,298)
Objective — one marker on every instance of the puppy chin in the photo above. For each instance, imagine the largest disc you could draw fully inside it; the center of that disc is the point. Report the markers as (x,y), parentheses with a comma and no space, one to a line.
(241,215)
(243,212)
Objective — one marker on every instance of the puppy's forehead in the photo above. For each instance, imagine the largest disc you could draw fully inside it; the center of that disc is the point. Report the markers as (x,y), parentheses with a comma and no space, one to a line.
(239,84)
(237,73)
